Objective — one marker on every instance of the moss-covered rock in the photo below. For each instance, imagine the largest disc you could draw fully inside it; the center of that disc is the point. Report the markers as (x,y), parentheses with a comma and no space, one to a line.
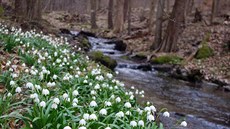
(103,59)
(139,56)
(84,43)
(204,52)
(167,59)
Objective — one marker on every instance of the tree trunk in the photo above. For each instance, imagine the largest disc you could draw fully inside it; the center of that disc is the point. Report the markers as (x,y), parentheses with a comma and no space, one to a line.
(174,28)
(214,10)
(93,4)
(99,5)
(119,17)
(110,15)
(20,9)
(33,10)
(152,16)
(129,16)
(159,21)
(126,6)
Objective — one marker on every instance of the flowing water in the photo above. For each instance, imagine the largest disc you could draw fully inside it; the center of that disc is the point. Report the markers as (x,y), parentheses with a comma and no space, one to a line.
(203,105)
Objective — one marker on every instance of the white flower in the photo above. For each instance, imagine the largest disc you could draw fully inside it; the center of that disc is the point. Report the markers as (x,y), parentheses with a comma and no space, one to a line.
(18,90)
(93,117)
(82,127)
(54,106)
(75,93)
(166,114)
(93,92)
(107,103)
(141,123)
(147,109)
(42,104)
(107,128)
(133,123)
(150,118)
(38,87)
(109,75)
(120,114)
(152,108)
(9,94)
(93,104)
(45,92)
(183,123)
(82,122)
(55,77)
(103,112)
(65,95)
(86,116)
(67,127)
(74,104)
(12,83)
(128,105)
(29,85)
(97,87)
(56,100)
(51,84)
(75,100)
(118,99)
(128,113)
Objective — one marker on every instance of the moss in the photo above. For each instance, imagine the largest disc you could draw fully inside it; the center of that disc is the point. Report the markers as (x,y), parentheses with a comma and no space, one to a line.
(204,52)
(125,57)
(1,11)
(167,59)
(103,59)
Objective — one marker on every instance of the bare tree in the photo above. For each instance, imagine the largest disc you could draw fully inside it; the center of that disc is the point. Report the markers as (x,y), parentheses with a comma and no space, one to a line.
(93,6)
(159,21)
(152,16)
(110,15)
(174,28)
(214,10)
(119,16)
(129,15)
(34,9)
(126,6)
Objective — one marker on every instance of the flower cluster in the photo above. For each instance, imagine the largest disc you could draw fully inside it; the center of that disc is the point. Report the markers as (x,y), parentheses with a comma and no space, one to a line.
(63,89)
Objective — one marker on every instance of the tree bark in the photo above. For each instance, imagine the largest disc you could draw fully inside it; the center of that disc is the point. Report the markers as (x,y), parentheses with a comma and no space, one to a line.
(33,10)
(152,16)
(20,9)
(110,15)
(126,6)
(93,6)
(159,21)
(214,10)
(174,28)
(129,16)
(119,17)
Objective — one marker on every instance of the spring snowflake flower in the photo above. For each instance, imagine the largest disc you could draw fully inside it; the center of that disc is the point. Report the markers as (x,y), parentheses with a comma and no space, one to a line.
(51,84)
(107,128)
(12,83)
(128,105)
(133,123)
(86,116)
(120,114)
(128,113)
(56,100)
(75,100)
(18,90)
(65,95)
(55,77)
(93,117)
(166,114)
(141,123)
(74,104)
(103,112)
(45,92)
(107,103)
(93,104)
(183,123)
(93,92)
(67,127)
(82,127)
(29,85)
(42,104)
(147,109)
(153,109)
(9,95)
(150,118)
(54,106)
(75,93)
(82,122)
(109,75)
(97,87)
(118,99)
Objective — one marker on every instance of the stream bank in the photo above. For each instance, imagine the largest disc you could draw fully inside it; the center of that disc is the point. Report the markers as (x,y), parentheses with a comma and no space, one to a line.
(203,105)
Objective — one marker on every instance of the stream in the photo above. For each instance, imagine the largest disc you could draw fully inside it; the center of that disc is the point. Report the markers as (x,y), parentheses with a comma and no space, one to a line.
(203,106)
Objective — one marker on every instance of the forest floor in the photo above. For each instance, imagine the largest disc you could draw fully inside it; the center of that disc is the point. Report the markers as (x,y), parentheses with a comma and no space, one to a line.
(216,67)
